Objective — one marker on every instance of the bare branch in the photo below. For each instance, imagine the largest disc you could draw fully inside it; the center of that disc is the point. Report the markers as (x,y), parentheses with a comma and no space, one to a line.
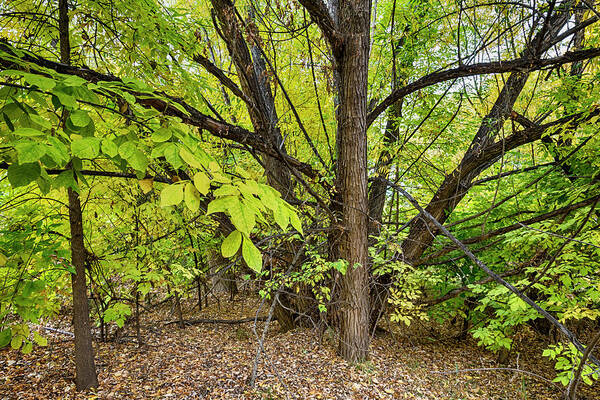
(495,67)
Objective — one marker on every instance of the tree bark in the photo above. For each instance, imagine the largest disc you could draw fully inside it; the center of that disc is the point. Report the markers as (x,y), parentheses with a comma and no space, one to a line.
(354,19)
(85,368)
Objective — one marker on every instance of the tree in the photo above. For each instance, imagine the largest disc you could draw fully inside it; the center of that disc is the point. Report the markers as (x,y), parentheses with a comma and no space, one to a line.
(231,105)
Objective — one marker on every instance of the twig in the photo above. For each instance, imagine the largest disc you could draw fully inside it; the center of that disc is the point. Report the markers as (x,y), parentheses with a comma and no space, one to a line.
(496,369)
(572,389)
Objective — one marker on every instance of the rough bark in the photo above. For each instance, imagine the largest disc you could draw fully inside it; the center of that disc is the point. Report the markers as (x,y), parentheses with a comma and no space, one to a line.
(252,73)
(85,368)
(354,19)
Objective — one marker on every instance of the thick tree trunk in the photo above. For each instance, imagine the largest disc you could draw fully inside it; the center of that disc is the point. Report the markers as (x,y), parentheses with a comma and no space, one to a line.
(85,369)
(354,18)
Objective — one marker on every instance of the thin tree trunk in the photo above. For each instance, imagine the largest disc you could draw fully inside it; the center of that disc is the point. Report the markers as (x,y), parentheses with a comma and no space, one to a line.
(138,333)
(85,369)
(199,289)
(178,310)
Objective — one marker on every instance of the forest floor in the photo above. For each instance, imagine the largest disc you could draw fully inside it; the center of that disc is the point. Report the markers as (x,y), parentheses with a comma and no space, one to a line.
(214,361)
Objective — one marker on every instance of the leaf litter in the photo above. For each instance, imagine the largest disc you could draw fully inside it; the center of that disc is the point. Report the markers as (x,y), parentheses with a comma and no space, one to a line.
(214,361)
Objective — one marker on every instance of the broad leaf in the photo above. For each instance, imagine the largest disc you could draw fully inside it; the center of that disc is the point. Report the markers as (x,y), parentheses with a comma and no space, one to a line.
(23,174)
(231,244)
(87,147)
(251,255)
(192,197)
(202,182)
(171,195)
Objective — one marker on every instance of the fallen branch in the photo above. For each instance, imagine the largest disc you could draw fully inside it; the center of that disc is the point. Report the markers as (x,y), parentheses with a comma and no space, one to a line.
(563,329)
(572,389)
(200,321)
(57,331)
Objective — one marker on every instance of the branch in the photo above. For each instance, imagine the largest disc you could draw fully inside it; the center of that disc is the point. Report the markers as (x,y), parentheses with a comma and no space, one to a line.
(320,15)
(224,79)
(455,292)
(108,174)
(495,67)
(563,329)
(217,321)
(518,225)
(159,101)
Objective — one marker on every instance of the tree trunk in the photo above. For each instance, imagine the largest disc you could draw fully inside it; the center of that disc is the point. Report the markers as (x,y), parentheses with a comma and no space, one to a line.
(85,369)
(178,311)
(354,18)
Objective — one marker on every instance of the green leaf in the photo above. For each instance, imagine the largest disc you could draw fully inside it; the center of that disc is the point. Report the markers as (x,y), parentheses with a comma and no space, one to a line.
(65,179)
(231,244)
(161,135)
(23,174)
(16,342)
(171,195)
(221,204)
(341,266)
(28,132)
(80,118)
(65,99)
(40,81)
(43,122)
(189,158)
(242,218)
(5,337)
(281,216)
(134,156)
(57,150)
(40,340)
(251,255)
(126,150)
(192,197)
(171,153)
(296,222)
(202,182)
(87,147)
(27,347)
(138,161)
(29,152)
(74,80)
(269,196)
(227,190)
(109,148)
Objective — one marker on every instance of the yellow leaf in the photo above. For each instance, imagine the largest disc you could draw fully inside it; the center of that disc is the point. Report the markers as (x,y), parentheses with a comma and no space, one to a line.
(146,185)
